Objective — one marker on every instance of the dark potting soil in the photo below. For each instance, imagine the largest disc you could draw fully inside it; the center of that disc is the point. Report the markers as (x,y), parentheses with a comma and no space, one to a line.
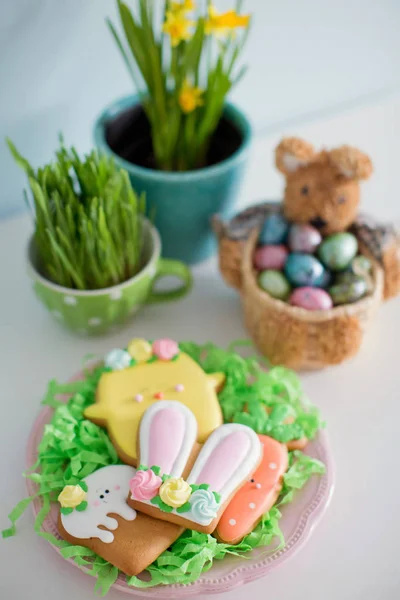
(128,135)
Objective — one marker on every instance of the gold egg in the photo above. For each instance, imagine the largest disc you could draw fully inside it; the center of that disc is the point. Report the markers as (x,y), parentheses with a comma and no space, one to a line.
(140,350)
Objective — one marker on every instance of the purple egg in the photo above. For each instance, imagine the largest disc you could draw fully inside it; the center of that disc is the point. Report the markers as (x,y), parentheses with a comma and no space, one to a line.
(311,298)
(270,257)
(303,238)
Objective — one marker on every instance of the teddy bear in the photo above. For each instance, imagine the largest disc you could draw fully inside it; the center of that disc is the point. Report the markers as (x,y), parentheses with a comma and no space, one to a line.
(322,189)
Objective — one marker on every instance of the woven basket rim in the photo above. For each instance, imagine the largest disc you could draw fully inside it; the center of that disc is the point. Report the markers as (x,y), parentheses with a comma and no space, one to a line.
(302,314)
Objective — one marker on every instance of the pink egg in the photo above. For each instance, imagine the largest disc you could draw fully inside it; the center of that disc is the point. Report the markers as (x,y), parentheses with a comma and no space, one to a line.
(311,298)
(270,257)
(303,238)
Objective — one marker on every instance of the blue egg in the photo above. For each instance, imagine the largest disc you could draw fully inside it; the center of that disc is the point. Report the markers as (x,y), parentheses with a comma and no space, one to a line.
(326,279)
(305,270)
(274,230)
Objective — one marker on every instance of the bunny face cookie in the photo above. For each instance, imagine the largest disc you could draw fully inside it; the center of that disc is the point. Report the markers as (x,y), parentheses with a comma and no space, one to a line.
(258,494)
(187,486)
(105,493)
(124,394)
(94,514)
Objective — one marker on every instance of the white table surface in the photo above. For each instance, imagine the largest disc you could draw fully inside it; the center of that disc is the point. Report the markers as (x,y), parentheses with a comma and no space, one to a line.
(353,553)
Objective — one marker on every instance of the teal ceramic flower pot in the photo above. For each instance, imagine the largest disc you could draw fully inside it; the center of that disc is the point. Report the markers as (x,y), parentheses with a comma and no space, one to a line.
(182,203)
(95,311)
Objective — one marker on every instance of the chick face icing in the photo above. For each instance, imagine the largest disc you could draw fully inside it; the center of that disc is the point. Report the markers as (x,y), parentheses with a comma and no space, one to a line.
(123,395)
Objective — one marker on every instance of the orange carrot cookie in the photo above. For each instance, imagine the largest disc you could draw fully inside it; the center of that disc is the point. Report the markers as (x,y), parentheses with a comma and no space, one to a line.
(257,496)
(168,433)
(141,376)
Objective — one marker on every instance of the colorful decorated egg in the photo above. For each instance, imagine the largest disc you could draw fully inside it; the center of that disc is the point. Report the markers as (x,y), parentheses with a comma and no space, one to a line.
(349,277)
(274,230)
(338,250)
(305,270)
(349,290)
(303,238)
(361,265)
(270,257)
(311,298)
(275,284)
(326,279)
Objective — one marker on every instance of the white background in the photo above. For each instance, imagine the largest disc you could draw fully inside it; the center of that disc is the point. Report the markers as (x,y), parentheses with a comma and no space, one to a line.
(353,554)
(57,69)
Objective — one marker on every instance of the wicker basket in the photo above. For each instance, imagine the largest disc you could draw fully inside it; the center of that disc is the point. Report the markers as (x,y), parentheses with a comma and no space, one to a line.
(289,335)
(299,338)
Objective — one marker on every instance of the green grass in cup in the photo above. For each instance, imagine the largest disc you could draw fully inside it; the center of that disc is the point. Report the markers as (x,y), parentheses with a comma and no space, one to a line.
(88,228)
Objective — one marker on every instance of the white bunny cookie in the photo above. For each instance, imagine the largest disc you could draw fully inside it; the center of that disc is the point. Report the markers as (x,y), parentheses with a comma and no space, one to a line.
(94,514)
(168,487)
(103,493)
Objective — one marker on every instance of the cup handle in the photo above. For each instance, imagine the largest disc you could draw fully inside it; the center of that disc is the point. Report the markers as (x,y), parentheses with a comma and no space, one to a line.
(171,267)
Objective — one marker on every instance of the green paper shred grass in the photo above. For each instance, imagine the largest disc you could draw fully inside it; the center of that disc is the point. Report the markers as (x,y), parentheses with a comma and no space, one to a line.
(72,447)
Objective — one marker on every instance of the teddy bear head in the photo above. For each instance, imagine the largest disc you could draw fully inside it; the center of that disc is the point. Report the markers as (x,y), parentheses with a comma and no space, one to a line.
(322,188)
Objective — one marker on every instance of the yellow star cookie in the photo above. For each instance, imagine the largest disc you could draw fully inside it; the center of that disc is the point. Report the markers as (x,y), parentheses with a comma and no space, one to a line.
(123,396)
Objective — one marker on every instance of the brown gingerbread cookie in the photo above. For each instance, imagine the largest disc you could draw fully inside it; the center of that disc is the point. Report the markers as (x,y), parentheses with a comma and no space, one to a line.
(94,514)
(170,486)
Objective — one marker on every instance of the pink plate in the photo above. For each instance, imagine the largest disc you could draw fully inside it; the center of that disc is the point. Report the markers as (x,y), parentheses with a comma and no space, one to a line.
(298,521)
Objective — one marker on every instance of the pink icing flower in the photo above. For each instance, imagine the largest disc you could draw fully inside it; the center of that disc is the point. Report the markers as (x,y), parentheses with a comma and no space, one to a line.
(145,485)
(165,349)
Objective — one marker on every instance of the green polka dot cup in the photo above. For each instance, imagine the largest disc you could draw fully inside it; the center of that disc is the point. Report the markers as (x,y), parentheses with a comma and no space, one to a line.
(95,311)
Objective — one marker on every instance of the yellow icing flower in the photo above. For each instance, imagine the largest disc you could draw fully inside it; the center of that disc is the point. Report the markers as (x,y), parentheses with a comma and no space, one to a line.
(221,24)
(190,97)
(182,7)
(177,26)
(140,350)
(175,492)
(71,496)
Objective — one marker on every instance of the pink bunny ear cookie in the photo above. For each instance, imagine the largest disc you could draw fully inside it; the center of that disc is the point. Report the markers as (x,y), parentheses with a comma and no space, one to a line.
(167,437)
(257,496)
(94,514)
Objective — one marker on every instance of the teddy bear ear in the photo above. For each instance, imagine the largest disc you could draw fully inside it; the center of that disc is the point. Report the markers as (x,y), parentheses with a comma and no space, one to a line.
(293,153)
(351,162)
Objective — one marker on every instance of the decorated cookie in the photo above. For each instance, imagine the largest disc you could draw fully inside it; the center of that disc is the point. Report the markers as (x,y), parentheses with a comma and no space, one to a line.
(191,493)
(257,496)
(94,514)
(123,395)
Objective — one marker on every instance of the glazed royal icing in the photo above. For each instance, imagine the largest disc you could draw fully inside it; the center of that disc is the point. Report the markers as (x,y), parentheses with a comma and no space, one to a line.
(168,432)
(165,349)
(122,397)
(167,436)
(229,456)
(175,492)
(140,350)
(204,507)
(145,485)
(117,360)
(72,496)
(107,490)
(258,495)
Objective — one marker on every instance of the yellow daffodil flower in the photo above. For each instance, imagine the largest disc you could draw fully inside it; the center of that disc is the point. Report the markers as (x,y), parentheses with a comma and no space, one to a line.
(177,26)
(190,97)
(221,24)
(182,7)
